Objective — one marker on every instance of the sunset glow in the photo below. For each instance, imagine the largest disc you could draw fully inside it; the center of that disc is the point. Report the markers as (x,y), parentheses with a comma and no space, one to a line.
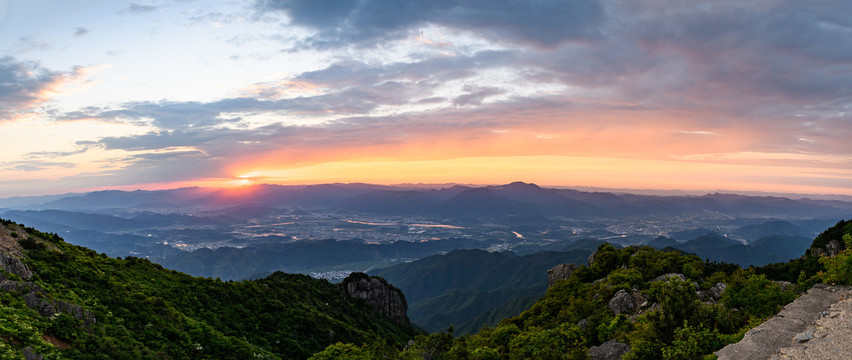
(110,95)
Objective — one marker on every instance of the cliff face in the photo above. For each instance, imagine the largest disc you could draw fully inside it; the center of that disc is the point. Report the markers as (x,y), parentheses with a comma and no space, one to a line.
(386,299)
(560,272)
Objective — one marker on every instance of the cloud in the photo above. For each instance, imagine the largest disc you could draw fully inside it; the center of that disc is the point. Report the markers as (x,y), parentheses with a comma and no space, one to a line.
(80,31)
(31,166)
(369,22)
(475,95)
(140,8)
(25,85)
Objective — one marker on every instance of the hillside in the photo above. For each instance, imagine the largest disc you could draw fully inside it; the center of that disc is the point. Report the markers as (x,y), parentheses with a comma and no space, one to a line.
(642,303)
(64,301)
(468,289)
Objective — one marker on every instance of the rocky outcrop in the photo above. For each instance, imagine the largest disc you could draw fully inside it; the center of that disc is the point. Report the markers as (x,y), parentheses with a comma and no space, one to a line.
(30,354)
(386,299)
(622,303)
(560,272)
(669,277)
(592,257)
(610,350)
(13,265)
(789,330)
(34,296)
(712,294)
(627,303)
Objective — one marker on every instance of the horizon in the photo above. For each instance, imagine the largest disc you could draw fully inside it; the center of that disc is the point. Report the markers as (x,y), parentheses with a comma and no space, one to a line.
(435,186)
(727,96)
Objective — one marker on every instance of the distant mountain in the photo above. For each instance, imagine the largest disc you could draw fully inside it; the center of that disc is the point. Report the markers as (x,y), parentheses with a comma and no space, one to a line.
(464,288)
(454,202)
(685,235)
(482,202)
(754,232)
(662,242)
(303,256)
(765,250)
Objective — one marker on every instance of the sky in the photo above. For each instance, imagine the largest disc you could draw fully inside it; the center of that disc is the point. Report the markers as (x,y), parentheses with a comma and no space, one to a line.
(664,94)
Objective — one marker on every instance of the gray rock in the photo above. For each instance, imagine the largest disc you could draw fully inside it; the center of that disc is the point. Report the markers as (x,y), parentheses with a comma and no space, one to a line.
(669,277)
(560,272)
(610,350)
(804,336)
(583,324)
(30,354)
(784,285)
(780,330)
(592,257)
(622,303)
(386,299)
(831,249)
(712,294)
(14,265)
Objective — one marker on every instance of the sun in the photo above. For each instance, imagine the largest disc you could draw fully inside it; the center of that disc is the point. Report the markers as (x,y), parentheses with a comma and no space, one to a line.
(246,179)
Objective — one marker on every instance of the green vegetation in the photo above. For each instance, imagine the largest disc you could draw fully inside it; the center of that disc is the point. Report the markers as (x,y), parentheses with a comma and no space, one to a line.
(673,324)
(468,289)
(144,311)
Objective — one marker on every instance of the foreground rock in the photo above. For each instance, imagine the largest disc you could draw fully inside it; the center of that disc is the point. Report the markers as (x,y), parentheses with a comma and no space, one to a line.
(791,325)
(830,337)
(386,299)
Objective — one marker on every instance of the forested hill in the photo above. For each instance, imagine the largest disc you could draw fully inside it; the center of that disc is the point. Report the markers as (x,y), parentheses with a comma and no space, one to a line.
(640,303)
(58,300)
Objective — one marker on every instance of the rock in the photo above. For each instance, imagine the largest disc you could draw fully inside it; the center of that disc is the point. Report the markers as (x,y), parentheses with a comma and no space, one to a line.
(622,303)
(784,285)
(591,258)
(804,336)
(831,249)
(30,354)
(559,272)
(669,277)
(14,265)
(386,299)
(780,330)
(583,323)
(712,294)
(610,350)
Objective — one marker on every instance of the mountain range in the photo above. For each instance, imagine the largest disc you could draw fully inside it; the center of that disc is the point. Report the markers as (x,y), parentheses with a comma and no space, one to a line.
(453,202)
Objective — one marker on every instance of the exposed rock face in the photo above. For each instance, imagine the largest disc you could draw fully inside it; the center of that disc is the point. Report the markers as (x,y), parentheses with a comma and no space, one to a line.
(560,272)
(784,285)
(30,354)
(831,249)
(788,330)
(712,294)
(610,350)
(669,277)
(34,296)
(14,265)
(622,303)
(592,257)
(627,303)
(386,299)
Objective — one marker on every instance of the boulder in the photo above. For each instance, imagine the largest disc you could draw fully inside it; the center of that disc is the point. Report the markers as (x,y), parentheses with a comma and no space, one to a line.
(559,272)
(592,256)
(386,299)
(669,277)
(622,303)
(712,294)
(610,350)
